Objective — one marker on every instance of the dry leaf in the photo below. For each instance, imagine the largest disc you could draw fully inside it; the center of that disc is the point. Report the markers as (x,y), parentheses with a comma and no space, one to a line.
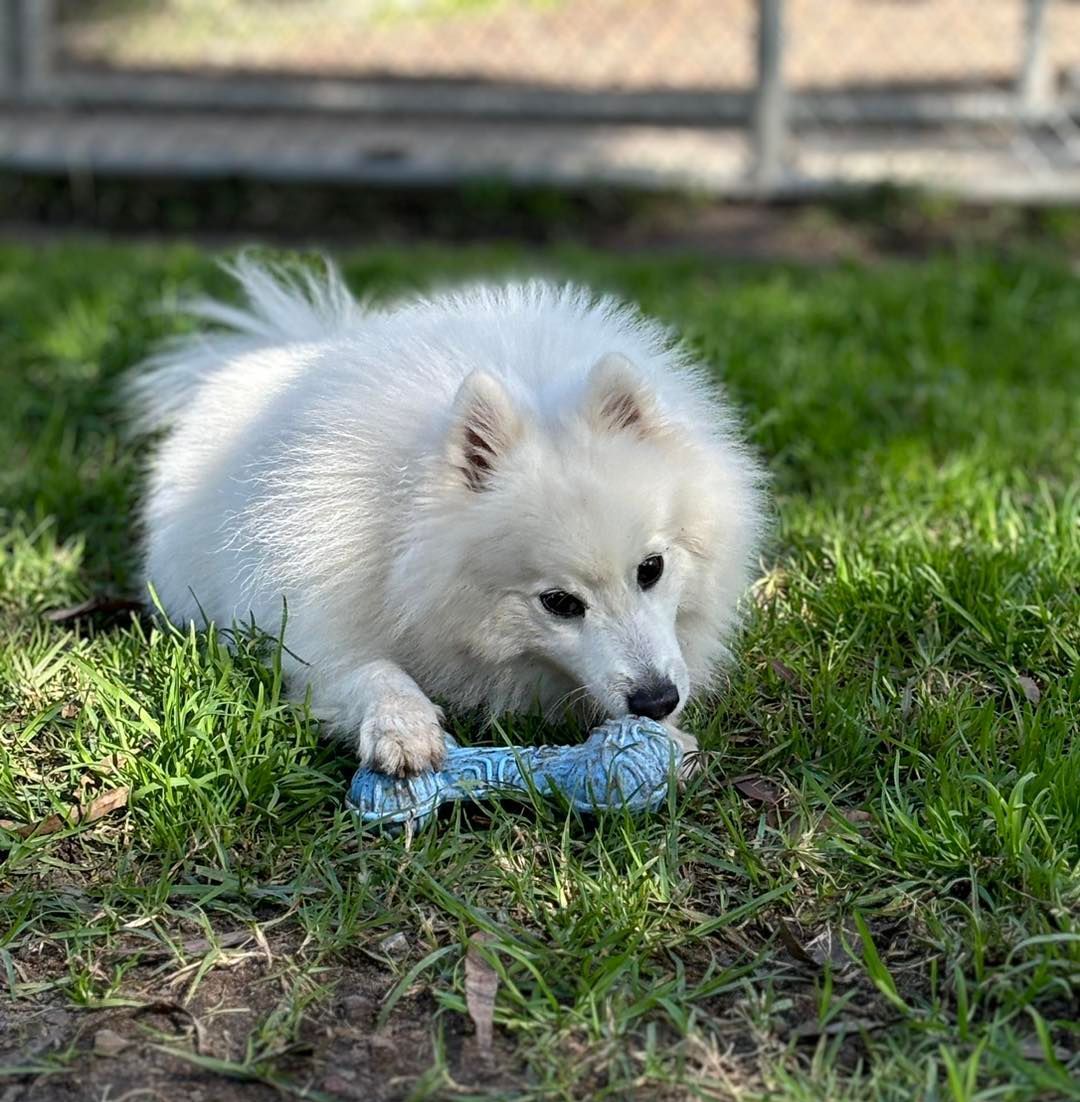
(97,809)
(755,787)
(793,945)
(827,948)
(481,984)
(92,606)
(1033,1050)
(784,672)
(857,815)
(111,763)
(176,1013)
(107,1042)
(340,1087)
(824,948)
(197,946)
(395,945)
(1031,690)
(907,699)
(811,1031)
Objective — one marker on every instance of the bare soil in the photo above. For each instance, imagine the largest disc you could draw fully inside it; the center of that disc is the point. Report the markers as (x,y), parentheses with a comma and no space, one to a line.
(193,1045)
(627,44)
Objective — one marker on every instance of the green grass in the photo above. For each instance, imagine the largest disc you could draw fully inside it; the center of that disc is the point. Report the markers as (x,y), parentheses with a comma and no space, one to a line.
(888,909)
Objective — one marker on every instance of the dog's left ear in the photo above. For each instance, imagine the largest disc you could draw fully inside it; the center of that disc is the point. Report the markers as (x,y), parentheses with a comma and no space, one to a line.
(617,399)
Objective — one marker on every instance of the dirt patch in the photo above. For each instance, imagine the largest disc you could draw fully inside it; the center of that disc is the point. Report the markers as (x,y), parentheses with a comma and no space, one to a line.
(627,44)
(244,1032)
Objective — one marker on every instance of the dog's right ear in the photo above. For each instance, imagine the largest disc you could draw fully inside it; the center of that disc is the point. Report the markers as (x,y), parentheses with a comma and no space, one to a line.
(485,427)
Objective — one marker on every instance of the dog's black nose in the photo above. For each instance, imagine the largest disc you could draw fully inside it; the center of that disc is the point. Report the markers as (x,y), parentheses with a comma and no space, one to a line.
(655,700)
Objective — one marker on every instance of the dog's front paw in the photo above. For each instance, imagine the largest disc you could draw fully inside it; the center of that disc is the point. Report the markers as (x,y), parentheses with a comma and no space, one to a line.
(691,755)
(401,735)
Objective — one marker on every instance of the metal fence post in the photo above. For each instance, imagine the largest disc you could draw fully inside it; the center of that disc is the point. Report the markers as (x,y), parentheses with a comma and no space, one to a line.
(1033,85)
(770,109)
(25,47)
(9,58)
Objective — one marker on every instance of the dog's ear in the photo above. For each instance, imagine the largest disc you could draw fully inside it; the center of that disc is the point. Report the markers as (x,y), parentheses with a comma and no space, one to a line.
(617,399)
(485,427)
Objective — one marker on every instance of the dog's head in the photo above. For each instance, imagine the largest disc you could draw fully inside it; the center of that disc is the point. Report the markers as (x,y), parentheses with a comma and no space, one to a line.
(599,545)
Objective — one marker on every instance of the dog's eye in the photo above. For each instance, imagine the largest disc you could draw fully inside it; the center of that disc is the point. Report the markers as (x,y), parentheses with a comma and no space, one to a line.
(649,571)
(564,605)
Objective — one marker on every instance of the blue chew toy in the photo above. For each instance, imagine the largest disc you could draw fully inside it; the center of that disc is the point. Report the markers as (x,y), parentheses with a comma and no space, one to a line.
(624,764)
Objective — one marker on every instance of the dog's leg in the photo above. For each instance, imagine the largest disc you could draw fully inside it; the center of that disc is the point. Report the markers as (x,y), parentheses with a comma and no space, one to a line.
(396,728)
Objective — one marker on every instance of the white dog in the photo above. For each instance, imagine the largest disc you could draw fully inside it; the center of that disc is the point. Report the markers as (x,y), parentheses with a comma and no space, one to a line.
(494,498)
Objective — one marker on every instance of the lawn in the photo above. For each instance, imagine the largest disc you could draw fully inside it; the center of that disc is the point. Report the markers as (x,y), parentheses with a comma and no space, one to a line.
(872,892)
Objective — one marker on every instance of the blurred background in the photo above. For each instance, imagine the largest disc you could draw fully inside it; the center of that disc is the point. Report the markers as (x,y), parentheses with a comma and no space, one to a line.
(728,99)
(864,215)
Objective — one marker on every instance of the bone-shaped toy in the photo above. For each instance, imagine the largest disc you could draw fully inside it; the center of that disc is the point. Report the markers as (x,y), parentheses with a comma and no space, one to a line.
(624,764)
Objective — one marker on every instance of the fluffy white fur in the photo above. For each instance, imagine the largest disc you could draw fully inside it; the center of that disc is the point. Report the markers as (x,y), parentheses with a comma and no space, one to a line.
(412,479)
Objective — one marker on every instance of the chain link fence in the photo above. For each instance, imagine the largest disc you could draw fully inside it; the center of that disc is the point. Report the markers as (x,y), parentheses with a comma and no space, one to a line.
(738,97)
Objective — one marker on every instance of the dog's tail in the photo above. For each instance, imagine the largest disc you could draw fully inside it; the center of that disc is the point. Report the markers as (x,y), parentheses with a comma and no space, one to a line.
(281,306)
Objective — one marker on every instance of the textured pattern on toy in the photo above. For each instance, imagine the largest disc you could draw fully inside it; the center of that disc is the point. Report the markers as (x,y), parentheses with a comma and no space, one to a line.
(624,764)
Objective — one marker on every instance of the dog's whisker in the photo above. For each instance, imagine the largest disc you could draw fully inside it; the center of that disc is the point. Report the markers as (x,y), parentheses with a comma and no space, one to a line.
(565,702)
(593,710)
